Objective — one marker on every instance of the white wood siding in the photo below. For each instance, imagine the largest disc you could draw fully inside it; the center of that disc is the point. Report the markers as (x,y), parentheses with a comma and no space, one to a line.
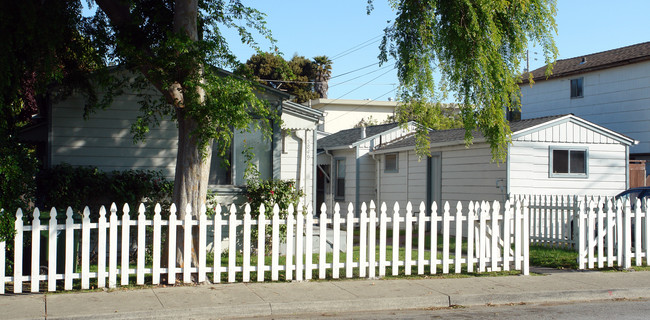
(616,98)
(529,170)
(367,174)
(105,139)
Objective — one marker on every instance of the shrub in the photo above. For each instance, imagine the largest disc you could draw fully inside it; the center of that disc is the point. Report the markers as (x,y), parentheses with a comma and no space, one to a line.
(270,192)
(64,185)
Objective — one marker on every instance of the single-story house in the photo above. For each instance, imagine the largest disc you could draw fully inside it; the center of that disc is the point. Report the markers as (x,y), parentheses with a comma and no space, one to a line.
(561,154)
(346,170)
(106,142)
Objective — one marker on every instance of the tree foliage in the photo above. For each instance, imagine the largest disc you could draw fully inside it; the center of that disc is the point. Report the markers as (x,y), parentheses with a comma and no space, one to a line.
(303,78)
(477,47)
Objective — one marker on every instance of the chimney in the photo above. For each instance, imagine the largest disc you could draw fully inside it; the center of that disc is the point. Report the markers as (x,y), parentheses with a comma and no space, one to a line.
(363,132)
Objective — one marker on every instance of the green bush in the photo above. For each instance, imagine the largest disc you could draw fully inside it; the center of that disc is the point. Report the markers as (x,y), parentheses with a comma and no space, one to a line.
(64,185)
(270,192)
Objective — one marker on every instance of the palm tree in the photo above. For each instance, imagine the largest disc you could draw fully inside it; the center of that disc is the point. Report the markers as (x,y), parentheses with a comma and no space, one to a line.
(323,73)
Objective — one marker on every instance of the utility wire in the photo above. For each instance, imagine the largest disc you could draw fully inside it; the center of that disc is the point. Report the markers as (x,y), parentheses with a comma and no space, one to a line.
(357,47)
(371,80)
(363,75)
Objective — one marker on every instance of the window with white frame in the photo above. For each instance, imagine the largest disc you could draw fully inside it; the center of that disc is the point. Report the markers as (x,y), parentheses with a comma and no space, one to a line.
(391,162)
(568,162)
(339,166)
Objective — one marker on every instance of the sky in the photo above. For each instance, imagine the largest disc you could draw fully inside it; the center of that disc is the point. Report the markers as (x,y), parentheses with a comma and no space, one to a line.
(341,30)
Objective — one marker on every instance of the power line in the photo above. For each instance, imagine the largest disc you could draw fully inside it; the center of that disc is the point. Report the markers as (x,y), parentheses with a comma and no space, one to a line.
(371,80)
(363,75)
(369,101)
(342,74)
(357,47)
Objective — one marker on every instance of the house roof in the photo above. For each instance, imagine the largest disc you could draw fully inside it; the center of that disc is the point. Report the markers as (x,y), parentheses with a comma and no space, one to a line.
(301,110)
(345,138)
(595,61)
(517,128)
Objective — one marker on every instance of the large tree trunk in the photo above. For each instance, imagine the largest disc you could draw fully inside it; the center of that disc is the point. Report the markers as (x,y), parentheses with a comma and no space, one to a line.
(191,180)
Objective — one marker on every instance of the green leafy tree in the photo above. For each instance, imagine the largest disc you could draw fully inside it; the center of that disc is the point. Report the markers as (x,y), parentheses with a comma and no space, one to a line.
(303,78)
(477,47)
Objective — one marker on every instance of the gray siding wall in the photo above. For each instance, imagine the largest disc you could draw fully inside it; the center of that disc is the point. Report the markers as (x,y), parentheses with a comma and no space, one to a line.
(616,98)
(105,140)
(469,175)
(409,183)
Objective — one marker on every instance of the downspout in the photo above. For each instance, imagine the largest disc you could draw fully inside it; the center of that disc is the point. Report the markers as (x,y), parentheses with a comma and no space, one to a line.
(377,179)
(627,167)
(314,176)
(301,176)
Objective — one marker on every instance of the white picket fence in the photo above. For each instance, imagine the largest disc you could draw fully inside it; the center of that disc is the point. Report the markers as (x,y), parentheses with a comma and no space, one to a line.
(490,231)
(605,232)
(610,232)
(552,219)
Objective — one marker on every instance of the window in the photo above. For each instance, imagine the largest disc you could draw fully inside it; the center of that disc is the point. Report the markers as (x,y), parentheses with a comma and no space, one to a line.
(229,168)
(391,162)
(576,88)
(568,163)
(339,193)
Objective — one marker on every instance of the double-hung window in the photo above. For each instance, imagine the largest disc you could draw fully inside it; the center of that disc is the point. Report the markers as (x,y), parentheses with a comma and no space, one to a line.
(568,162)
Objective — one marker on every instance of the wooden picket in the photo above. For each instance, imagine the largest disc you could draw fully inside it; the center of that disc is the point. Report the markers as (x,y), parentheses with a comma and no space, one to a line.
(121,240)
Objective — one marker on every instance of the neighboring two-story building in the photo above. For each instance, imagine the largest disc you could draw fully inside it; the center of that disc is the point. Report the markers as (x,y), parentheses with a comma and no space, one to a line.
(342,114)
(609,88)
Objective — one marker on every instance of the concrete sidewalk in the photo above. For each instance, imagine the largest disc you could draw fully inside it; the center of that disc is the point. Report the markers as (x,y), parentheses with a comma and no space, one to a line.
(219,301)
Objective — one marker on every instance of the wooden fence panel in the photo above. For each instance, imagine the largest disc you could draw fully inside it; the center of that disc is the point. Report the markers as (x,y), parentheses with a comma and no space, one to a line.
(484,225)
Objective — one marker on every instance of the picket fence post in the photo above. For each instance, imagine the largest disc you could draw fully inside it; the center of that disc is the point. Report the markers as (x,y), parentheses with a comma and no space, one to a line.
(232,243)
(470,234)
(289,256)
(322,231)
(336,225)
(363,238)
(300,225)
(507,217)
(246,249)
(141,245)
(156,244)
(445,239)
(275,243)
(309,246)
(459,238)
(85,249)
(69,251)
(101,248)
(261,237)
(382,239)
(349,226)
(434,238)
(216,247)
(36,245)
(421,232)
(396,218)
(203,222)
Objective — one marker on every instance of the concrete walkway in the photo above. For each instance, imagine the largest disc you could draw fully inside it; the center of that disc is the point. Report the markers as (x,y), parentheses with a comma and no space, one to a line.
(219,301)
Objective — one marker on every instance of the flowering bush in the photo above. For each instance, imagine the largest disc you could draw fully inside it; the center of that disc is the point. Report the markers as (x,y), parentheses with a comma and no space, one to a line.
(270,192)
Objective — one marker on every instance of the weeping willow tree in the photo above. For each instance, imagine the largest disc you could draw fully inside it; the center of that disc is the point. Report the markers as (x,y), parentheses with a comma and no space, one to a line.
(476,46)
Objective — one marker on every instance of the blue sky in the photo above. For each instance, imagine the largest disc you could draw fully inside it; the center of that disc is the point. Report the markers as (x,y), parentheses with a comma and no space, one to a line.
(310,28)
(342,30)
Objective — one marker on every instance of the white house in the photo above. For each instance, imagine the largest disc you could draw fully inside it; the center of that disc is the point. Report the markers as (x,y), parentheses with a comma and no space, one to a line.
(346,169)
(341,114)
(561,154)
(106,142)
(610,88)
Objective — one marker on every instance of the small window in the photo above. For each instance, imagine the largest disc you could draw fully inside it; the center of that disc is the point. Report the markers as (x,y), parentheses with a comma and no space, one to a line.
(339,192)
(391,162)
(576,88)
(568,163)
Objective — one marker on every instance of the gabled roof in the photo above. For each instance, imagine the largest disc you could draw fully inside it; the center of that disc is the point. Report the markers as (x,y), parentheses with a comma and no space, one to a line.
(595,61)
(301,110)
(518,128)
(345,138)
